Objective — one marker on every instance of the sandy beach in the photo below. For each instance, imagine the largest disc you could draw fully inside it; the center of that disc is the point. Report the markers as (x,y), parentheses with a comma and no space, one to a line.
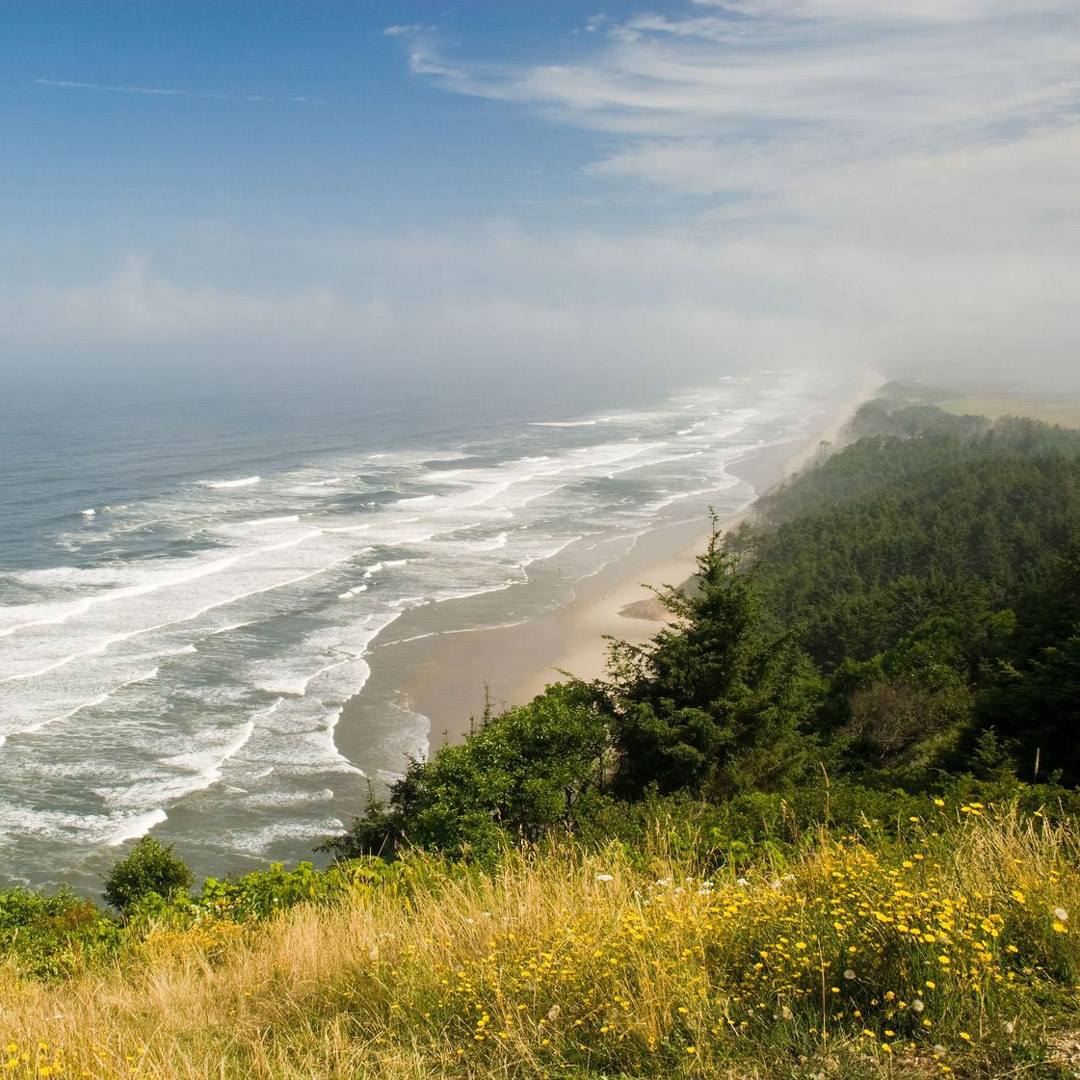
(450,674)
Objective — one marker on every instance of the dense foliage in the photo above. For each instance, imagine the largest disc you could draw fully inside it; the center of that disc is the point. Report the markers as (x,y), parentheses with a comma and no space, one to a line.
(893,531)
(715,703)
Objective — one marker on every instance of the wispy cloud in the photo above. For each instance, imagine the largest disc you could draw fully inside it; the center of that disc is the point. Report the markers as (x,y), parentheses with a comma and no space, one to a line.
(402,29)
(892,177)
(423,51)
(424,60)
(741,98)
(160,91)
(892,10)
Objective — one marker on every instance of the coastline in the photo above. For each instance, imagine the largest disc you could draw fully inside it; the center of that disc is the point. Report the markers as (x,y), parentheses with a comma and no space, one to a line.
(452,675)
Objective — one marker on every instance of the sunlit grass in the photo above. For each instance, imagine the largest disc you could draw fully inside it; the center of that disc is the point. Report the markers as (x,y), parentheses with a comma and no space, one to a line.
(952,951)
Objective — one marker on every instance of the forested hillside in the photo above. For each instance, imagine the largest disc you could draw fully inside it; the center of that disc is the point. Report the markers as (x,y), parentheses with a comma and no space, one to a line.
(901,617)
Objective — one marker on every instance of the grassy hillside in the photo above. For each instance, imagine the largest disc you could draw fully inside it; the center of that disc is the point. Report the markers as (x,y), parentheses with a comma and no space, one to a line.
(1065,413)
(947,950)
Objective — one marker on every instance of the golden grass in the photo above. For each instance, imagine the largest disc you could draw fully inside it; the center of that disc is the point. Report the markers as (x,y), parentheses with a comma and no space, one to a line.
(938,955)
(1065,413)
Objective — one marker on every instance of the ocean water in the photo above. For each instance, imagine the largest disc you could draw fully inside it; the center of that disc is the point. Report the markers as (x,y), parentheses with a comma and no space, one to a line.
(192,586)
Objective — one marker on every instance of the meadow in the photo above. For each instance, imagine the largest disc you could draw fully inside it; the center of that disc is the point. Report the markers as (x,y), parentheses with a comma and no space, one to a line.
(948,949)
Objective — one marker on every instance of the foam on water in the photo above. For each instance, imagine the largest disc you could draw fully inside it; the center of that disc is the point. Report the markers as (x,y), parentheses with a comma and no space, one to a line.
(246,481)
(136,826)
(191,660)
(567,423)
(263,522)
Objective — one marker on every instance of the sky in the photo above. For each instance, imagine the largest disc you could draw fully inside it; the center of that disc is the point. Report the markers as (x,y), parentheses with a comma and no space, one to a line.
(284,187)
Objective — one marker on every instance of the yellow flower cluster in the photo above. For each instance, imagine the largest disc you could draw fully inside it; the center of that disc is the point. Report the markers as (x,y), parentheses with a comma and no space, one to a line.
(927,951)
(897,952)
(37,1060)
(885,947)
(42,1059)
(210,938)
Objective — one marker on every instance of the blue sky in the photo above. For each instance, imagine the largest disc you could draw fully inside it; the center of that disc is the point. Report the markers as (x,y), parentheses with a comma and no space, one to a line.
(277,115)
(299,183)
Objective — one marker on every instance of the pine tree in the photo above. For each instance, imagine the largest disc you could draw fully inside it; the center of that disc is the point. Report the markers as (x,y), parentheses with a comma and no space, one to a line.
(714,702)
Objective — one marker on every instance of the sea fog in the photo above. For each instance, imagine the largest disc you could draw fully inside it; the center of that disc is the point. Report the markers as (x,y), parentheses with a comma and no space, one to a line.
(191,586)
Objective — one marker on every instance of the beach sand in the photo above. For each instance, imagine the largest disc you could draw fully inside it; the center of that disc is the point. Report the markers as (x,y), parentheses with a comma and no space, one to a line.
(451,675)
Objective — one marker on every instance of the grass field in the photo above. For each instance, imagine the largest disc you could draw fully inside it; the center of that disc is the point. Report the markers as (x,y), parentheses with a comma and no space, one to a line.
(948,952)
(1065,413)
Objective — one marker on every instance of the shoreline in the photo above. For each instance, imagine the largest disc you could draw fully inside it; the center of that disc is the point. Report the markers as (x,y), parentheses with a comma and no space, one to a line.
(452,675)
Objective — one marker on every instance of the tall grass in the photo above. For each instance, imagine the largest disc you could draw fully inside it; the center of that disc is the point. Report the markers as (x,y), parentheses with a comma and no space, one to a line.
(950,951)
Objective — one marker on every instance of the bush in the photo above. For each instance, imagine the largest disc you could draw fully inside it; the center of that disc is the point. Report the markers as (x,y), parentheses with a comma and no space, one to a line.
(149,868)
(54,935)
(520,776)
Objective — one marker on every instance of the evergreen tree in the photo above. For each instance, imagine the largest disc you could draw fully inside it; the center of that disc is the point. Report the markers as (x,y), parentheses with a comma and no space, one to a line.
(713,704)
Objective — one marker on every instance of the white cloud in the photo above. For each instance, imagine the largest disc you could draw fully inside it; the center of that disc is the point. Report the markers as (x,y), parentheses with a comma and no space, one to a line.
(405,29)
(893,186)
(897,173)
(136,308)
(762,81)
(937,10)
(693,300)
(424,61)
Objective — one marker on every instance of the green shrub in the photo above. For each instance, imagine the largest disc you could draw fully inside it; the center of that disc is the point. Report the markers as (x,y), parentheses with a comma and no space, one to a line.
(531,771)
(150,867)
(54,935)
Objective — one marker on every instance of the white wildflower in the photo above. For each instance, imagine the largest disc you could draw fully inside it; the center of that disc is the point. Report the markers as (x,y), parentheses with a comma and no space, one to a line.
(1060,914)
(742,881)
(605,877)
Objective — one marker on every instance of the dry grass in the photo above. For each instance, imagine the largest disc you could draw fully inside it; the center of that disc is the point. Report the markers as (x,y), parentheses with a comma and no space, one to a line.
(1065,413)
(571,964)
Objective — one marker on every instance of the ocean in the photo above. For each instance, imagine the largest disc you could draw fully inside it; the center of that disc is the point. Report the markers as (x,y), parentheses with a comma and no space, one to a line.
(192,584)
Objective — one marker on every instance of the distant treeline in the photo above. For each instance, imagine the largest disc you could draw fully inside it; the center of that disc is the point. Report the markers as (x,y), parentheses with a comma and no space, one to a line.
(900,619)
